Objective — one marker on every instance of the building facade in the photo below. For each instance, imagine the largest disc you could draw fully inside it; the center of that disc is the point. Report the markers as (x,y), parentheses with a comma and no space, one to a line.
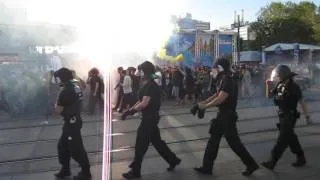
(187,23)
(244,31)
(17,38)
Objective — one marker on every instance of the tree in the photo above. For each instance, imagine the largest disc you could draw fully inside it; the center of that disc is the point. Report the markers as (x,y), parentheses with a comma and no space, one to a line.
(287,23)
(262,30)
(316,35)
(243,45)
(272,11)
(290,30)
(305,11)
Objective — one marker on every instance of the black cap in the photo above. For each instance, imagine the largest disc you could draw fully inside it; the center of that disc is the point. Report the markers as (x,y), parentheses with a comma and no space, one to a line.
(284,72)
(147,68)
(223,62)
(64,74)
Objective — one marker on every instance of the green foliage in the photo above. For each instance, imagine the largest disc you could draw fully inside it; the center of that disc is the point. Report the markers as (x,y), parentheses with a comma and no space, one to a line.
(244,45)
(286,23)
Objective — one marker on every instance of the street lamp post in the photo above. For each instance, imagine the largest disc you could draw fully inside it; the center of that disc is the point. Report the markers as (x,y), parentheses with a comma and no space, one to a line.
(238,42)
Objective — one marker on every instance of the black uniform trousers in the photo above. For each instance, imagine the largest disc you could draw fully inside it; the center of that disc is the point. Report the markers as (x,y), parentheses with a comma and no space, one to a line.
(148,131)
(70,145)
(287,136)
(225,124)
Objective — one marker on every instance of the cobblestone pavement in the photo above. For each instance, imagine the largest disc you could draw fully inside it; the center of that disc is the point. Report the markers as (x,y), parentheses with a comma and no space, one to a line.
(28,145)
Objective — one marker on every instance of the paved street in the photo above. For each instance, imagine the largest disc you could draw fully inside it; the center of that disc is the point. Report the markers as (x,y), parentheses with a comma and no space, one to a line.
(28,146)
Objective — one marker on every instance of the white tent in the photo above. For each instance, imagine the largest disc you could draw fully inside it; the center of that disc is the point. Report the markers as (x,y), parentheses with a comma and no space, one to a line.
(290,46)
(250,56)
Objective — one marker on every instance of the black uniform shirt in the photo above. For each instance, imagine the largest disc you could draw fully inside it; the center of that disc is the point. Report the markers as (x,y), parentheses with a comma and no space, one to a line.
(291,95)
(226,83)
(70,98)
(152,90)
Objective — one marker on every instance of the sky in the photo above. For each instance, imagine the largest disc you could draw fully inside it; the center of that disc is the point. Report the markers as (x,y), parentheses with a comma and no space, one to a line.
(141,26)
(217,12)
(221,12)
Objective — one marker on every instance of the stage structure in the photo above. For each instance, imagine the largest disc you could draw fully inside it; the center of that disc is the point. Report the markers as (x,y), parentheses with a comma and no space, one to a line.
(195,48)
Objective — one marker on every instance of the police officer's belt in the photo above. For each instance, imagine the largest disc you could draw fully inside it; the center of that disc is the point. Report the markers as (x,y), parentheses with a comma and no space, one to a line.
(292,111)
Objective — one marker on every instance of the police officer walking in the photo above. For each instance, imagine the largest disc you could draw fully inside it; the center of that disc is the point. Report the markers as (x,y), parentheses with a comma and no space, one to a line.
(148,131)
(70,144)
(286,95)
(225,99)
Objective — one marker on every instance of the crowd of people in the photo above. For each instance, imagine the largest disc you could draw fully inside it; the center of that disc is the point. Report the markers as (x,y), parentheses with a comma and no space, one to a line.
(224,95)
(185,85)
(29,87)
(141,90)
(93,89)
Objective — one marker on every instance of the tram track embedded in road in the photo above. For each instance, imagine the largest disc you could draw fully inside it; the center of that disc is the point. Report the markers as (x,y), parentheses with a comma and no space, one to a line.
(169,143)
(129,118)
(96,153)
(134,131)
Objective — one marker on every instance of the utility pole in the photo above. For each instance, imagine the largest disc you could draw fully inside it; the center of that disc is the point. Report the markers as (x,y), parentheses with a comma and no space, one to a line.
(242,16)
(238,39)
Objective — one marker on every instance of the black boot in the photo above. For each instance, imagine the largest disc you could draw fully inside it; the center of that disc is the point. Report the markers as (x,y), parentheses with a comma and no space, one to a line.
(269,164)
(63,173)
(172,166)
(131,175)
(250,170)
(203,170)
(83,175)
(301,161)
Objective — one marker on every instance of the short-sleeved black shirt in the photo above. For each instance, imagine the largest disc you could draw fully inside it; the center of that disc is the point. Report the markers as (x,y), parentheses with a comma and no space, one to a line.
(152,90)
(227,84)
(70,99)
(292,96)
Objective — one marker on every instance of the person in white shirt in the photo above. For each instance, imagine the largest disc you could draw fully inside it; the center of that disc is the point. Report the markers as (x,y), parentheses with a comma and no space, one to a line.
(127,91)
(54,64)
(158,80)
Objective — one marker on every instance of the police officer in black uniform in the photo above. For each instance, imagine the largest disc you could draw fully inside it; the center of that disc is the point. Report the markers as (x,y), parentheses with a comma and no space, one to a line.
(286,95)
(225,99)
(148,131)
(68,105)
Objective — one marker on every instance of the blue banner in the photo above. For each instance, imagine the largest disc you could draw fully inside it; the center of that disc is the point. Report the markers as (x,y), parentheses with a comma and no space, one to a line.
(188,59)
(171,46)
(187,48)
(178,43)
(206,45)
(225,45)
(182,43)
